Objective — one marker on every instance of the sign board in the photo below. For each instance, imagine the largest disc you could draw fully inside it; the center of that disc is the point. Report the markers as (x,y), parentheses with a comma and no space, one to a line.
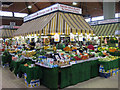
(9,27)
(109,21)
(67,8)
(53,8)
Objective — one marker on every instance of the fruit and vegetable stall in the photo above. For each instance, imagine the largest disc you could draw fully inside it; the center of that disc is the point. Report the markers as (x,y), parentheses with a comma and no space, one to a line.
(60,69)
(64,54)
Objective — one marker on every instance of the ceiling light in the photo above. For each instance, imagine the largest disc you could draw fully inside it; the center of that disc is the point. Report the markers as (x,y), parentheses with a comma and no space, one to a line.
(29,7)
(74,3)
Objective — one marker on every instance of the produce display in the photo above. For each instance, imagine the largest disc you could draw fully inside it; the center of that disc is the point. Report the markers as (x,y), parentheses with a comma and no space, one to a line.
(28,53)
(108,58)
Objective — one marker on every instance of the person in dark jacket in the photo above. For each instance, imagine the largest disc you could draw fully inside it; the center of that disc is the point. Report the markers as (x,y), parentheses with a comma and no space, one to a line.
(32,44)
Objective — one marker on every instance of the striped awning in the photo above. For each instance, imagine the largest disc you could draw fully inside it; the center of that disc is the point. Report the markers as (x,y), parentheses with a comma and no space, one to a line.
(58,22)
(34,26)
(5,33)
(67,23)
(105,29)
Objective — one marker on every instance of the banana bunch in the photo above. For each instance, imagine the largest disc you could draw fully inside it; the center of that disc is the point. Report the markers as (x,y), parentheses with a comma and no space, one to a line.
(46,47)
(29,54)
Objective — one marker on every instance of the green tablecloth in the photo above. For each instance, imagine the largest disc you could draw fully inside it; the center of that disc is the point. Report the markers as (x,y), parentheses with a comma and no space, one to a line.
(94,68)
(50,77)
(114,53)
(78,73)
(32,73)
(14,65)
(6,59)
(110,64)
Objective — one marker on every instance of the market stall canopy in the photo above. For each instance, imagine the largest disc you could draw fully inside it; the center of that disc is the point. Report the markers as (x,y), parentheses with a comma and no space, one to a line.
(55,22)
(105,29)
(6,33)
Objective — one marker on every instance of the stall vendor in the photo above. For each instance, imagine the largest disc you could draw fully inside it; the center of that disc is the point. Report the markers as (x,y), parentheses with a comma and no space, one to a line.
(60,46)
(32,44)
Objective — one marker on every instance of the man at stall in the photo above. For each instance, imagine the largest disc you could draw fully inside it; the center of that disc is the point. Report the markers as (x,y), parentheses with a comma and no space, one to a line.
(60,46)
(32,44)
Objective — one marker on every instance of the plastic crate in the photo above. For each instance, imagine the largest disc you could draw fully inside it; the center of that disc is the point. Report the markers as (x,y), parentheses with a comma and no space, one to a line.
(105,75)
(33,83)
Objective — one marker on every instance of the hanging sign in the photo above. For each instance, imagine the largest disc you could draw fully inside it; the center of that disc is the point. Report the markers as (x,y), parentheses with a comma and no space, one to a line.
(56,37)
(72,37)
(80,38)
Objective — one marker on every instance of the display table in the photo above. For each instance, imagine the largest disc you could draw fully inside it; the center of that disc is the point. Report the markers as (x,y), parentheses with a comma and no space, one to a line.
(78,73)
(110,64)
(14,65)
(114,53)
(6,59)
(62,77)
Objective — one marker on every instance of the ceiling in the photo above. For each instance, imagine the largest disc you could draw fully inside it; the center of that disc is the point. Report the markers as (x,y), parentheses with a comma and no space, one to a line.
(90,9)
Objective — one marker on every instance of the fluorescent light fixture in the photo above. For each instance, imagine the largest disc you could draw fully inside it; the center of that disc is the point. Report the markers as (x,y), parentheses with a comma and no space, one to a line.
(29,6)
(98,18)
(6,13)
(16,14)
(74,3)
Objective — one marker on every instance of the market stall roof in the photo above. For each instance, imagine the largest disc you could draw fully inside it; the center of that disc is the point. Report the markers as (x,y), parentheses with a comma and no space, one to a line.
(55,22)
(105,29)
(6,33)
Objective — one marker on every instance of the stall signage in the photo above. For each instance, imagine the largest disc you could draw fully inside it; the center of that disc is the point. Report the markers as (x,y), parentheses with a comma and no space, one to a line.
(56,38)
(9,27)
(109,21)
(70,9)
(72,37)
(53,8)
(16,27)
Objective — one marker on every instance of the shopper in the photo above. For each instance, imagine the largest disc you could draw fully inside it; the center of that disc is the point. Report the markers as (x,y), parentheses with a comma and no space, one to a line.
(32,44)
(38,44)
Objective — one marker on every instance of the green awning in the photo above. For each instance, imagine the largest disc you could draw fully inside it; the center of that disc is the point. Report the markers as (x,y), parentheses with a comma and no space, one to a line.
(105,29)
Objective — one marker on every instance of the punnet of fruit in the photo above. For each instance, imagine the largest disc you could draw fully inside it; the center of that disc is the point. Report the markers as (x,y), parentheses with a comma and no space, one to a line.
(112,49)
(67,49)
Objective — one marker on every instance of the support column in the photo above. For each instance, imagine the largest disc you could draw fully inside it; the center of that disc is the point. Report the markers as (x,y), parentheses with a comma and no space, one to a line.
(109,10)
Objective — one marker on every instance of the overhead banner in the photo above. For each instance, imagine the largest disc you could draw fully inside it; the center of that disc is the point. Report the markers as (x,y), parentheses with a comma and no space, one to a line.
(55,7)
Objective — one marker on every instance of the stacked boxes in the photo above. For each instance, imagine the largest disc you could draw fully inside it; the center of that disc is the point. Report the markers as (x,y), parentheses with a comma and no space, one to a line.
(33,83)
(108,73)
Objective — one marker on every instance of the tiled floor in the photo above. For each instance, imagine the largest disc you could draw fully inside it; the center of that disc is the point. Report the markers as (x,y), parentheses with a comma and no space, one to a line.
(9,80)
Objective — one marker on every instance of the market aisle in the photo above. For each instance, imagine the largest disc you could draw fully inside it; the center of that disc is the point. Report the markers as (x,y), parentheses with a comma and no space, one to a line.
(98,82)
(11,81)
